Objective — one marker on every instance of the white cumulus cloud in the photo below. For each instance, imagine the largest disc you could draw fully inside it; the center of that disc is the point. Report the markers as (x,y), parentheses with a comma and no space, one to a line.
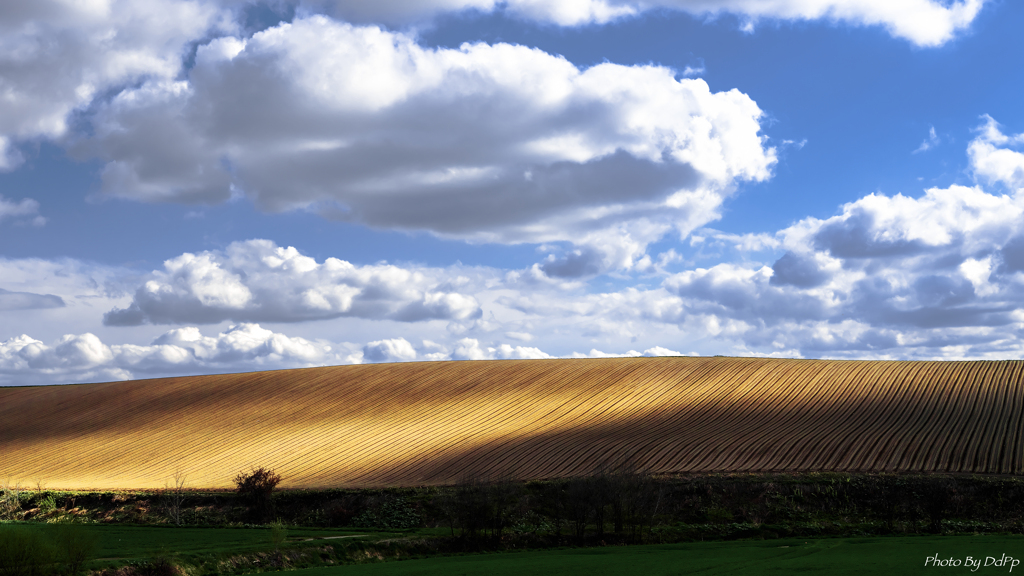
(486,143)
(922,22)
(84,357)
(934,276)
(940,275)
(471,349)
(389,350)
(238,348)
(649,353)
(258,281)
(57,56)
(993,157)
(62,57)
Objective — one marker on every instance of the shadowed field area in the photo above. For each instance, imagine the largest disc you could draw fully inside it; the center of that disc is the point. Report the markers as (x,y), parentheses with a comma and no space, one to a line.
(436,422)
(853,556)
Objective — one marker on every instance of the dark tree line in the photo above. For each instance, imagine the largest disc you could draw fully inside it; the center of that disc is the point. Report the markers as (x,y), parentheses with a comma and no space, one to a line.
(619,505)
(622,503)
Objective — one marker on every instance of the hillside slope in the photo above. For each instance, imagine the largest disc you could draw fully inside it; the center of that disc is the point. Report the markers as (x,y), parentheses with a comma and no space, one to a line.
(434,422)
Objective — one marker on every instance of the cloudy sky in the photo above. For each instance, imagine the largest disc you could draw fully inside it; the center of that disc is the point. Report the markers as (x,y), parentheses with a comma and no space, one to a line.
(201,186)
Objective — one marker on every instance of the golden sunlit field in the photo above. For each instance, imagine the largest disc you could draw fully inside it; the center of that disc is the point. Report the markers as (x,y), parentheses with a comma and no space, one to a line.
(436,422)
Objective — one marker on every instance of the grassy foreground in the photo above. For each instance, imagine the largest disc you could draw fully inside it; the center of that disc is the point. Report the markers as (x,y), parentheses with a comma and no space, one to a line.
(205,551)
(835,557)
(125,542)
(69,549)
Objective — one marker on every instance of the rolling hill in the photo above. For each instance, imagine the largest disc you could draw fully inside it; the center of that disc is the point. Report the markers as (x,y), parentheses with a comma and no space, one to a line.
(436,422)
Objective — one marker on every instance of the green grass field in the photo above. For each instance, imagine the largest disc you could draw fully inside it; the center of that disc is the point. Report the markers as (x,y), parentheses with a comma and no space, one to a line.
(120,544)
(840,556)
(127,542)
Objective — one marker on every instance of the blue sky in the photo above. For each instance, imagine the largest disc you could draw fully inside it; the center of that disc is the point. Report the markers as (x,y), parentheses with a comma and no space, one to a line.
(220,185)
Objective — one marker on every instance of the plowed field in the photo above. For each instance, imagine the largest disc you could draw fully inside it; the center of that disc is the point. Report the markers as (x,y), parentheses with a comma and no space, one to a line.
(435,422)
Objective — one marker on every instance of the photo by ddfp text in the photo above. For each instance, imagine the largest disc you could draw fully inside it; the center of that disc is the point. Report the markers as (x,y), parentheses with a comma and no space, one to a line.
(972,563)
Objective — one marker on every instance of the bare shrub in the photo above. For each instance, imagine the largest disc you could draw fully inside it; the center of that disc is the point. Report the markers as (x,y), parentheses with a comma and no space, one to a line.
(175,497)
(10,502)
(256,489)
